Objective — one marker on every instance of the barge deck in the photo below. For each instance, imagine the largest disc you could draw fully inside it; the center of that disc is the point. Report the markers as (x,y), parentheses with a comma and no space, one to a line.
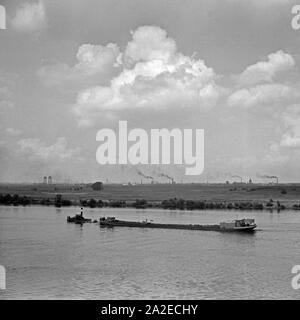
(236,225)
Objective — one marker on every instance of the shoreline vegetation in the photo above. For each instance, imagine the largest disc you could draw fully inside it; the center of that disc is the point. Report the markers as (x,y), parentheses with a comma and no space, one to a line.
(171,197)
(170,204)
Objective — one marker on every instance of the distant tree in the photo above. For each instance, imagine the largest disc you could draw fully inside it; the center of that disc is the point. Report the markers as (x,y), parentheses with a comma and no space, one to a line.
(269,204)
(15,200)
(45,202)
(92,203)
(140,204)
(100,203)
(58,200)
(97,186)
(7,199)
(66,202)
(117,204)
(84,203)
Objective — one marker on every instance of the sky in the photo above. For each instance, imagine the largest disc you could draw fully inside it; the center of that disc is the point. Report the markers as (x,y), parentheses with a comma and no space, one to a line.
(69,68)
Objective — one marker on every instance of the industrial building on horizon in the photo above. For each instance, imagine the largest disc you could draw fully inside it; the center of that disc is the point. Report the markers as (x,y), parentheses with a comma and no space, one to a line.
(47,180)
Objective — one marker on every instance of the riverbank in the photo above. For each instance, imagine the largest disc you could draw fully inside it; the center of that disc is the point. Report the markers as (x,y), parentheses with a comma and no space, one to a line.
(165,196)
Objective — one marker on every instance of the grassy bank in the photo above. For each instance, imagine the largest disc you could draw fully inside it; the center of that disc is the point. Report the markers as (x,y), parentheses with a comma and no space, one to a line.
(177,196)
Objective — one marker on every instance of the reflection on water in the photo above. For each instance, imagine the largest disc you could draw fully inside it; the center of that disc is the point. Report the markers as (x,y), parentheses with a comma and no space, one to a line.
(45,257)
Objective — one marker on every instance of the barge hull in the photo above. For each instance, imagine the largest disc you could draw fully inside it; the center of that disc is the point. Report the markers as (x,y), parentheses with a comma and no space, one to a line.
(133,224)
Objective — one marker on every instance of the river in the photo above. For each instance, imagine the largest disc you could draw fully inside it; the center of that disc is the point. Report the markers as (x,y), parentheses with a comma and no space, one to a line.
(47,258)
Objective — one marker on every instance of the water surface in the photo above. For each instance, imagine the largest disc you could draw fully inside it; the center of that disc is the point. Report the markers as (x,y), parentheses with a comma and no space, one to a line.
(47,258)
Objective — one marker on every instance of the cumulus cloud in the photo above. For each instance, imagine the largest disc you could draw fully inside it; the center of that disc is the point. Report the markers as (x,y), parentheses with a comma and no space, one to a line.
(92,60)
(262,95)
(30,16)
(290,140)
(149,43)
(154,75)
(291,118)
(59,151)
(266,71)
(262,84)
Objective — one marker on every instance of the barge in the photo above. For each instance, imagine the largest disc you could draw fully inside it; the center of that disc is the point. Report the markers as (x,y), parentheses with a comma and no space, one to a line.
(242,225)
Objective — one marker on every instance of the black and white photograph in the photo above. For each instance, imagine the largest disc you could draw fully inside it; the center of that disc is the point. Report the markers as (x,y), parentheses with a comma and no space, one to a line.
(150,151)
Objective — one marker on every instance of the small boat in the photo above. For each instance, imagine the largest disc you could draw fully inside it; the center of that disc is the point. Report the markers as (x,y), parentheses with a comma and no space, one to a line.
(235,225)
(78,218)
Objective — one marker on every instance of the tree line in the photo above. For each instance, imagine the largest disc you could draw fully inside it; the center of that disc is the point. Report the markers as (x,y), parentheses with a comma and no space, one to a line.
(171,204)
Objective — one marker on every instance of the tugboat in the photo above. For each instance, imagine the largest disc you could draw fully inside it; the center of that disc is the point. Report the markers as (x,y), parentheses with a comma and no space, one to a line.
(78,218)
(244,225)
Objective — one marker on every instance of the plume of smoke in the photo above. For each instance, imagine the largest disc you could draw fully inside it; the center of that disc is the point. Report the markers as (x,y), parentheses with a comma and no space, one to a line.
(266,176)
(140,173)
(165,175)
